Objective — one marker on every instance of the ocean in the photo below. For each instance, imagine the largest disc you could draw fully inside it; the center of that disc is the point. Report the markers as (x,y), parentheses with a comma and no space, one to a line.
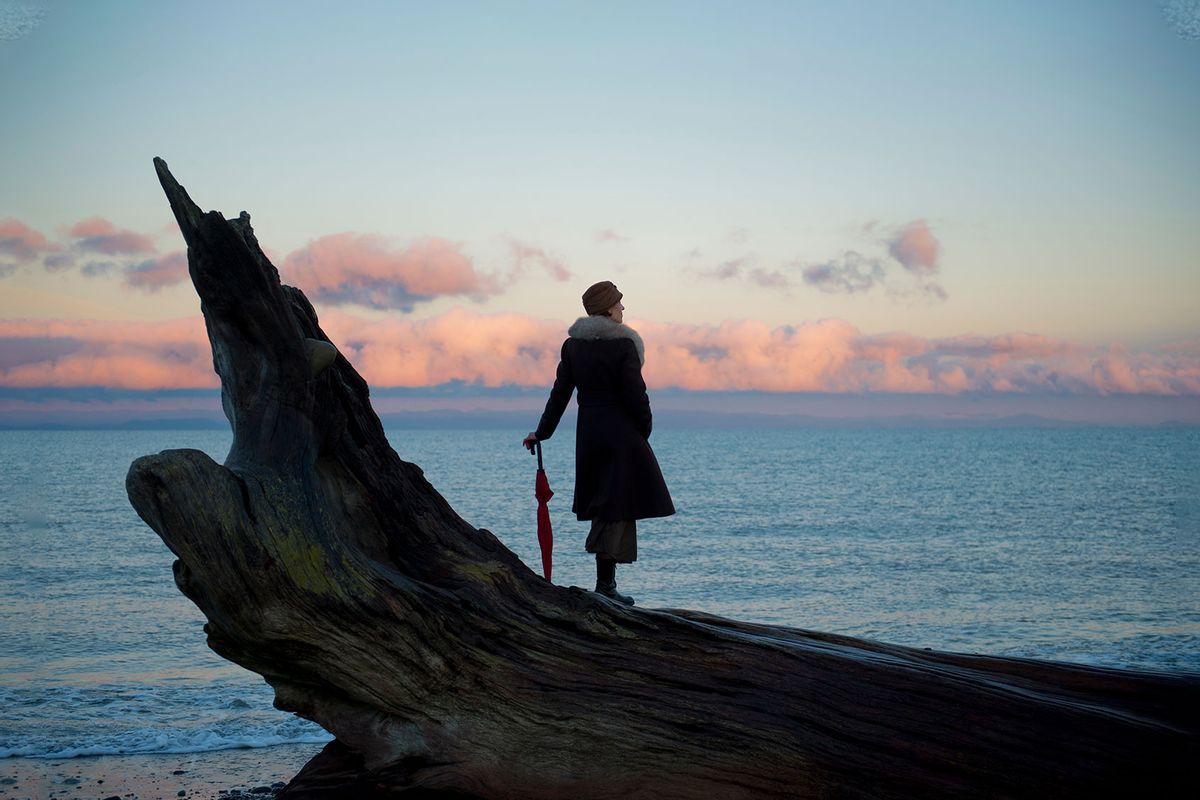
(1075,544)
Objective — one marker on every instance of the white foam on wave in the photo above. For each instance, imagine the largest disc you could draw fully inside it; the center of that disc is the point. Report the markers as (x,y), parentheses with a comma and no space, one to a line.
(71,722)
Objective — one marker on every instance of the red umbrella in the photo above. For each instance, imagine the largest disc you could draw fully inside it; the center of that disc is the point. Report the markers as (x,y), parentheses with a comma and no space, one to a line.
(545,534)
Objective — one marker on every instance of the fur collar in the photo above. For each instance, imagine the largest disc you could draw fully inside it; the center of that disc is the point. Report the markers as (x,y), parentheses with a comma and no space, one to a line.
(600,327)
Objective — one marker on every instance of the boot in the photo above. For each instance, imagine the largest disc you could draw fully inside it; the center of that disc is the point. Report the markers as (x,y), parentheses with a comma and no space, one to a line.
(606,580)
(609,590)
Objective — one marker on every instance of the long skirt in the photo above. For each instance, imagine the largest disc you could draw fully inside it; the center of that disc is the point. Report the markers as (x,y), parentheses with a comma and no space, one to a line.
(615,540)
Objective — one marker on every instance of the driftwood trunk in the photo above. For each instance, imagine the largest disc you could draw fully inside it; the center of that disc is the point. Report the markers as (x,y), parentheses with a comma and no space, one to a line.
(332,568)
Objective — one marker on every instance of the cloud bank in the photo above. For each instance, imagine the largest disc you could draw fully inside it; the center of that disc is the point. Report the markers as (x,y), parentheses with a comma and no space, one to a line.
(118,355)
(512,349)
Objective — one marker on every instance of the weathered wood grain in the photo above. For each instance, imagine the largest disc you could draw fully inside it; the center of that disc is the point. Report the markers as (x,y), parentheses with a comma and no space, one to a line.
(332,568)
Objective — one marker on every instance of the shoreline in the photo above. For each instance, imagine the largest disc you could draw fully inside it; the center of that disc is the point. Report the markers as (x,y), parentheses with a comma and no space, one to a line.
(257,772)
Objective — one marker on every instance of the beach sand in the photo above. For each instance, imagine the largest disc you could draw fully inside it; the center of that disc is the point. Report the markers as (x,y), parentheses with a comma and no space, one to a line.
(252,773)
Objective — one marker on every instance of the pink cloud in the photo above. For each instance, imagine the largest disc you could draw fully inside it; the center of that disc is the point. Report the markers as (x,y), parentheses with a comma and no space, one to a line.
(512,349)
(1010,345)
(373,271)
(158,273)
(1113,372)
(489,349)
(370,270)
(98,235)
(526,255)
(20,350)
(118,355)
(916,248)
(21,242)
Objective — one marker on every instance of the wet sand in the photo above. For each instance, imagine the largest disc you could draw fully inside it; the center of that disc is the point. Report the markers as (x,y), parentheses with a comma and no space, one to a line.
(230,774)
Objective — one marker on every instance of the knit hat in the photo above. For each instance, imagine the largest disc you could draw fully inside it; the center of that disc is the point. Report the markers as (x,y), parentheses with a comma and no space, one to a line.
(600,297)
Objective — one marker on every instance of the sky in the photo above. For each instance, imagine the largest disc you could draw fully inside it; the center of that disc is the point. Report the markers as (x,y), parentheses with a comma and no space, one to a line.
(982,207)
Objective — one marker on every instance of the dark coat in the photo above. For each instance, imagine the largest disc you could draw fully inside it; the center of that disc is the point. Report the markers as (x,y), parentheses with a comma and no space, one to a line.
(616,474)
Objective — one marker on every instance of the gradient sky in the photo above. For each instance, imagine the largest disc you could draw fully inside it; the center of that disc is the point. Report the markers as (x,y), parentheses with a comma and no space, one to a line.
(939,198)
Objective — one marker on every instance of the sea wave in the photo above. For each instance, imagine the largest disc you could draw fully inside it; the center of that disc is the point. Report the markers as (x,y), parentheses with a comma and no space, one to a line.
(152,740)
(50,721)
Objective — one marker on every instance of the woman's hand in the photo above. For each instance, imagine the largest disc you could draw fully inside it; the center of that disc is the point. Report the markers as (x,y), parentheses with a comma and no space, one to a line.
(530,441)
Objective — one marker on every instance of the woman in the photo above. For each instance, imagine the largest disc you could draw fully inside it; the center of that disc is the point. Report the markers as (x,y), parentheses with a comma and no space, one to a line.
(617,479)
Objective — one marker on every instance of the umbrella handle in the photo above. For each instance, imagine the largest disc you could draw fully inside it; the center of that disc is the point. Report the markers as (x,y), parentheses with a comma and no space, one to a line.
(538,446)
